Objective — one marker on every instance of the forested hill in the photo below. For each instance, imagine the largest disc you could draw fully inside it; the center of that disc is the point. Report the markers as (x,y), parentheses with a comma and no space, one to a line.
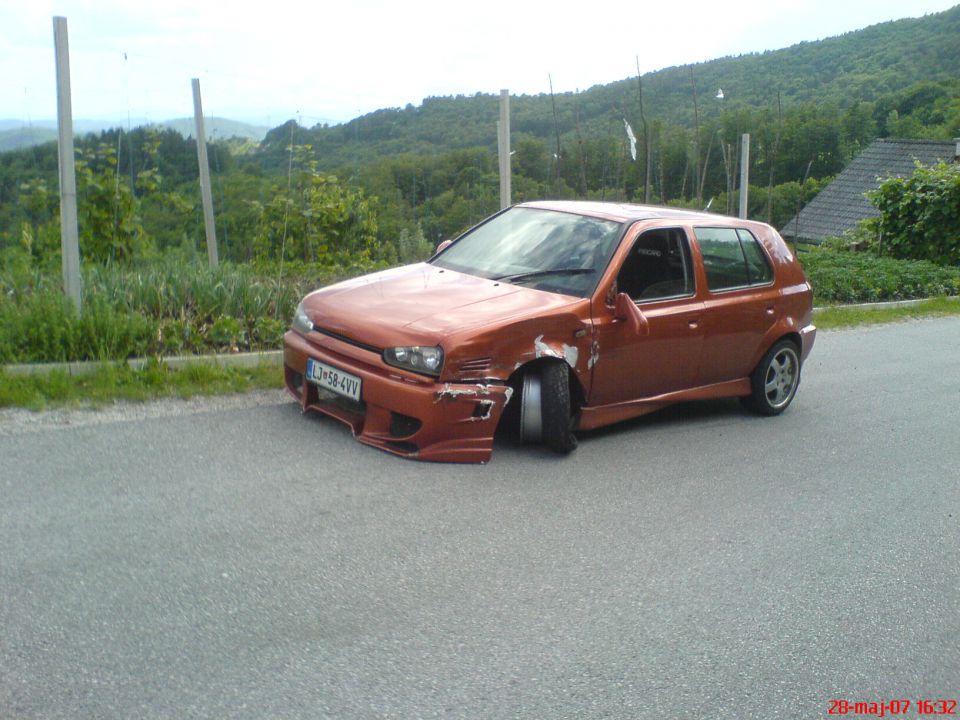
(389,185)
(14,135)
(862,66)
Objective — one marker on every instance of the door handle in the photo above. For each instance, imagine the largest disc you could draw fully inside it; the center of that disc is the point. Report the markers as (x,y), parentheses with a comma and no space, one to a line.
(771,310)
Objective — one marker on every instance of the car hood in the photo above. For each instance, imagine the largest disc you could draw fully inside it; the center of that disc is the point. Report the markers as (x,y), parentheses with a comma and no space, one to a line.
(422,304)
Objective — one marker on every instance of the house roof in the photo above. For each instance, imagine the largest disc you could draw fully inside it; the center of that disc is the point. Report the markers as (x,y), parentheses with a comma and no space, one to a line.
(842,204)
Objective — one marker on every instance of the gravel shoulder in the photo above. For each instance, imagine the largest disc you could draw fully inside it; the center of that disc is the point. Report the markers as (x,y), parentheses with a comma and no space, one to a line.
(17,421)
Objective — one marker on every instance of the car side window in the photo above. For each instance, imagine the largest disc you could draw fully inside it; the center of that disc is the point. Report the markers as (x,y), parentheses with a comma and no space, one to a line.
(732,258)
(658,266)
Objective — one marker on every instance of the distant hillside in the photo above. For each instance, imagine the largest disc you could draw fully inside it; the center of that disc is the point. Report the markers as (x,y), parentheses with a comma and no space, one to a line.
(15,135)
(23,137)
(861,66)
(218,128)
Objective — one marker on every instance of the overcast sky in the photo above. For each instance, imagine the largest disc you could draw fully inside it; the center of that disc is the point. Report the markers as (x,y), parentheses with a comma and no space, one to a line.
(325,61)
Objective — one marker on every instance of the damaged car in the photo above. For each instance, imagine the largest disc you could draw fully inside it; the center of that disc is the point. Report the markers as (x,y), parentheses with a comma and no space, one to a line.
(574,314)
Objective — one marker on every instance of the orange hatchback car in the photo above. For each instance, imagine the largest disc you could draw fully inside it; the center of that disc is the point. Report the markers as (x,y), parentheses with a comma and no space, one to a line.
(574,314)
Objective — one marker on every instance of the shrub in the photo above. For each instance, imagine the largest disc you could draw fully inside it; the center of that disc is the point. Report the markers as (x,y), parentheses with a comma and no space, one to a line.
(228,333)
(920,215)
(267,332)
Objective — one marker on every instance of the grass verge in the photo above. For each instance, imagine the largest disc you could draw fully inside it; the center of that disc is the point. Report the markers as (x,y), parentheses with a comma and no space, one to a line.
(843,317)
(112,382)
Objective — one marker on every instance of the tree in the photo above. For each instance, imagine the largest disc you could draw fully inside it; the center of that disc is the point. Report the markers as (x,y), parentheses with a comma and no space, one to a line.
(315,218)
(107,211)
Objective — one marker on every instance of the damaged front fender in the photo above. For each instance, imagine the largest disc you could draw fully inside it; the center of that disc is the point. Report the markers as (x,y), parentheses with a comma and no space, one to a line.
(568,353)
(485,398)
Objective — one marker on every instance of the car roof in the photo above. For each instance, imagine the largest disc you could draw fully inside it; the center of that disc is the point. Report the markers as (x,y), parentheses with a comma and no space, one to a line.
(622,212)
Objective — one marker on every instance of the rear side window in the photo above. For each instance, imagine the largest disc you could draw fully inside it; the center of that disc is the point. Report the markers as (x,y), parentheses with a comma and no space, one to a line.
(732,258)
(758,266)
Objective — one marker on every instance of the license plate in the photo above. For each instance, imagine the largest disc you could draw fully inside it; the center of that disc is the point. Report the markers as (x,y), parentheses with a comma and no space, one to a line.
(334,379)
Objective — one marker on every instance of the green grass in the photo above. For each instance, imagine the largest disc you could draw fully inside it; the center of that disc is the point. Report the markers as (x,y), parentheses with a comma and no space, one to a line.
(843,317)
(112,382)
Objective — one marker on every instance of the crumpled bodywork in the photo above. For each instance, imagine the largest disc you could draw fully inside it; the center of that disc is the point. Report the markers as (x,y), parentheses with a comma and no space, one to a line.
(451,422)
(452,417)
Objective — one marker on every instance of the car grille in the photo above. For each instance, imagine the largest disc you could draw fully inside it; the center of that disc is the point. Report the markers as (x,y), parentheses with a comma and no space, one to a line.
(349,340)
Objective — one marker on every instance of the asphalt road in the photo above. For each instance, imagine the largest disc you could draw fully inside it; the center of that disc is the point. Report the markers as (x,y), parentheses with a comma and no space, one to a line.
(698,563)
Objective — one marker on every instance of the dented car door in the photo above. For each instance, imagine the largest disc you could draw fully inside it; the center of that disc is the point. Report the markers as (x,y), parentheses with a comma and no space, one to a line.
(663,354)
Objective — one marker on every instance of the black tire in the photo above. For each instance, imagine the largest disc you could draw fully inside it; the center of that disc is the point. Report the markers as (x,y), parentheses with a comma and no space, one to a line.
(557,408)
(775,380)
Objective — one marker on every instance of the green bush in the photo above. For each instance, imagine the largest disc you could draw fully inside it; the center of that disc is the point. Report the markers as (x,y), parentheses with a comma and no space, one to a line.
(844,277)
(227,333)
(267,332)
(920,215)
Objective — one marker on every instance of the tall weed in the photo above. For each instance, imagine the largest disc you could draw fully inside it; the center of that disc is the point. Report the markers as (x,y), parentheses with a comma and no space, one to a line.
(169,306)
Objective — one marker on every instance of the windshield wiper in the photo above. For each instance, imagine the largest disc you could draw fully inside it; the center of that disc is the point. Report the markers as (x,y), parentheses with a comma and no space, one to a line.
(541,273)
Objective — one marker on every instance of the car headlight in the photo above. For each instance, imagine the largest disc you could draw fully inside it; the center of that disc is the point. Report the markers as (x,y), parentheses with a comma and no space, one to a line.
(426,360)
(301,322)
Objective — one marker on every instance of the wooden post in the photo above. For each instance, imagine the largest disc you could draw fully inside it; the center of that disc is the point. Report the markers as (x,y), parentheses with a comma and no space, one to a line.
(205,193)
(69,237)
(503,146)
(744,175)
(647,142)
(556,130)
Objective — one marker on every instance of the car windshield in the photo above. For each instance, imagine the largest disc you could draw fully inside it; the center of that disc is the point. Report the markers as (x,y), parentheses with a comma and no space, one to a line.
(544,249)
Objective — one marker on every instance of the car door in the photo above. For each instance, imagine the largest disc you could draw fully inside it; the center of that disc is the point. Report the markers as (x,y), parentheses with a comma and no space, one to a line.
(658,274)
(741,303)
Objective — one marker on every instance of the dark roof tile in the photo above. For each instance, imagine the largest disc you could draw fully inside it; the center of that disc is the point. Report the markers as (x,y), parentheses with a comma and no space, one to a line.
(843,203)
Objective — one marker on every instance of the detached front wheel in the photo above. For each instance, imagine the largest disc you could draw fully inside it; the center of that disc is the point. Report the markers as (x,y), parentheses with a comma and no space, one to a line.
(546,410)
(775,380)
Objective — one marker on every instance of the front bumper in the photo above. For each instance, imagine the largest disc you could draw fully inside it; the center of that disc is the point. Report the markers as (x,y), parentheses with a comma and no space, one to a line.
(400,412)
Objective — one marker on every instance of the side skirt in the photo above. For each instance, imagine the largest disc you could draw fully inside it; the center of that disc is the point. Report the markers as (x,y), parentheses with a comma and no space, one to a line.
(594,417)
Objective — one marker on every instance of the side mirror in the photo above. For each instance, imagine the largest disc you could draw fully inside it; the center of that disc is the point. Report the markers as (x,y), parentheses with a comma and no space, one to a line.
(444,245)
(627,309)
